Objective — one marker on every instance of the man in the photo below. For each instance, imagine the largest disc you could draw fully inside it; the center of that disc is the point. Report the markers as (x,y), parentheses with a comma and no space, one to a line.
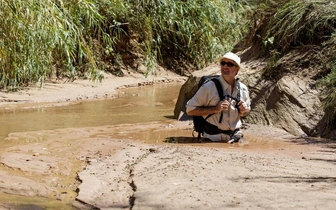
(206,101)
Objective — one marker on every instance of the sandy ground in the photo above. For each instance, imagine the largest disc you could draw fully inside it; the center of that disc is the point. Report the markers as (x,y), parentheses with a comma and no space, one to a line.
(96,168)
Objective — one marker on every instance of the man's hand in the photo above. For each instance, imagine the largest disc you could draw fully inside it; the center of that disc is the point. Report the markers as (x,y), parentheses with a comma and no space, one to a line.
(223,105)
(244,110)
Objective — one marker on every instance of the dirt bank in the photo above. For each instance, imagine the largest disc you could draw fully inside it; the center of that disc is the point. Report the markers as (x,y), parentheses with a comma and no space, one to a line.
(96,168)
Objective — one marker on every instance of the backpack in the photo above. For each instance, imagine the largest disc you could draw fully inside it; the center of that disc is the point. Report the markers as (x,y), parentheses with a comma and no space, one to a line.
(199,121)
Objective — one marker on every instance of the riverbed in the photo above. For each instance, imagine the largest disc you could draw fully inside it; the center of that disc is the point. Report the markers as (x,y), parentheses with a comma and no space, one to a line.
(56,159)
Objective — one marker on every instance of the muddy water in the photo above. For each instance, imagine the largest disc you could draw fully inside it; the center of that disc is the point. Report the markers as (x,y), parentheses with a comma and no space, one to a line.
(132,105)
(135,105)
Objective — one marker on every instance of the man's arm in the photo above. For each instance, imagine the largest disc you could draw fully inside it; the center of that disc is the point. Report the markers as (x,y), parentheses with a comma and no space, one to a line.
(200,111)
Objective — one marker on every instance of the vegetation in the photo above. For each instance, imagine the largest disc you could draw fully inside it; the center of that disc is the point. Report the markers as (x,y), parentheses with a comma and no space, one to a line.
(305,26)
(41,39)
(328,82)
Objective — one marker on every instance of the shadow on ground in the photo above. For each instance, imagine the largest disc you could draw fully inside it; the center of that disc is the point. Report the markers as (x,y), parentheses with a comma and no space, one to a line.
(328,146)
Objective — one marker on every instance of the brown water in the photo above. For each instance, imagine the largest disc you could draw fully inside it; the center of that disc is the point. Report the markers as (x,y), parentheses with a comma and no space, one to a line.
(132,105)
(135,105)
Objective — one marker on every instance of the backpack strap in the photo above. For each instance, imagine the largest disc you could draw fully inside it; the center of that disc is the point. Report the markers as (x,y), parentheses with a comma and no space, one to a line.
(219,88)
(238,94)
(220,93)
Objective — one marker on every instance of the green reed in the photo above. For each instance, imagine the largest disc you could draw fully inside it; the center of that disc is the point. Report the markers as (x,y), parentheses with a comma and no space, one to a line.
(41,39)
(70,39)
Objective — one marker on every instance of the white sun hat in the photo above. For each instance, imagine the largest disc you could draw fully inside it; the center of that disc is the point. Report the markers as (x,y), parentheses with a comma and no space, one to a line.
(230,56)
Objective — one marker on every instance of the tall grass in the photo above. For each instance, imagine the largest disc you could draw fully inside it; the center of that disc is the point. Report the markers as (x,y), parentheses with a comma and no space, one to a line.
(69,38)
(302,22)
(328,82)
(192,31)
(204,29)
(42,38)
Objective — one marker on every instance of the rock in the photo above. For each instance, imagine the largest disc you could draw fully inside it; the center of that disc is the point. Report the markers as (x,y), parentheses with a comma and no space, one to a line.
(288,103)
(189,88)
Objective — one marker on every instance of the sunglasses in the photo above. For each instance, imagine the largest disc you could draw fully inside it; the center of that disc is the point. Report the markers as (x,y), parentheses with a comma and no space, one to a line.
(229,64)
